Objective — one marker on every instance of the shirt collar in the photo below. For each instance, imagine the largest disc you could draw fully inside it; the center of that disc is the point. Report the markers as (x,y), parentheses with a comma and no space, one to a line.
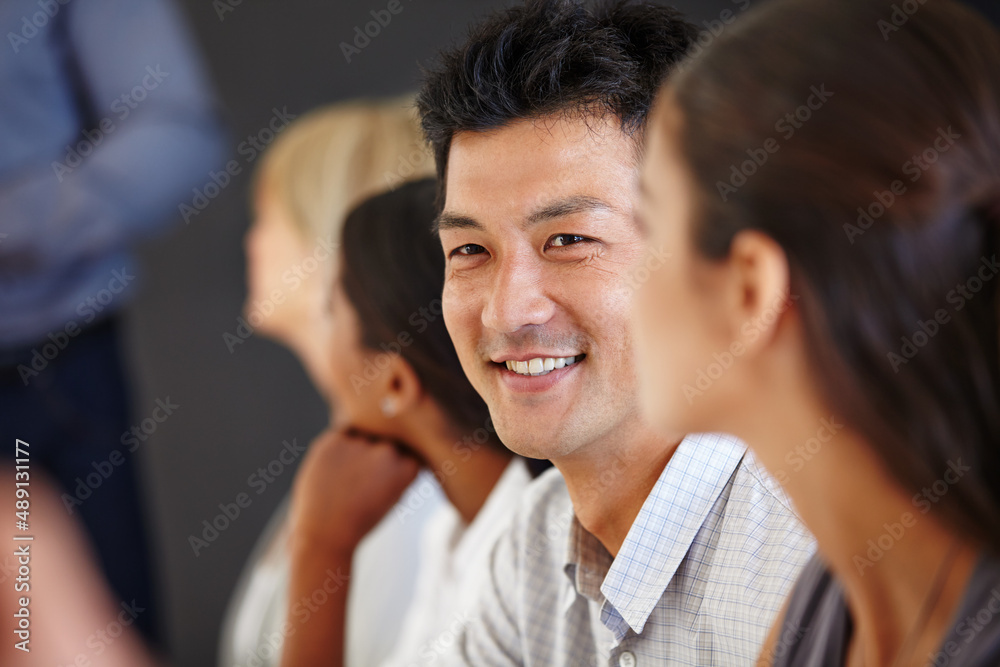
(661,534)
(587,562)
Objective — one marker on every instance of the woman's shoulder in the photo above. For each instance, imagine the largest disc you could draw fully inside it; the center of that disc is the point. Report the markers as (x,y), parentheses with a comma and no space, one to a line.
(974,639)
(816,624)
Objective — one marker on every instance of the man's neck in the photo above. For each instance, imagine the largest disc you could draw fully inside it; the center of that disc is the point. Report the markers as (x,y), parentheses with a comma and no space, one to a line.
(608,482)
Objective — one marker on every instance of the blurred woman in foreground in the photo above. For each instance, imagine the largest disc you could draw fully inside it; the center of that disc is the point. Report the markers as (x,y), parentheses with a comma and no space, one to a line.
(827,176)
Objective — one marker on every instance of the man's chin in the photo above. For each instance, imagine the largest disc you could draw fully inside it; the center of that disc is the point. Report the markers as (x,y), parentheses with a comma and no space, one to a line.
(541,442)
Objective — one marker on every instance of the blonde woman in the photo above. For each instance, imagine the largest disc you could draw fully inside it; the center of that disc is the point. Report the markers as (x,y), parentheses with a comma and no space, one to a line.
(316,171)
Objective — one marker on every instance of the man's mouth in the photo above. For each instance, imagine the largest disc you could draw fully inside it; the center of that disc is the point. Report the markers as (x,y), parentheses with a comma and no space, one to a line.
(541,365)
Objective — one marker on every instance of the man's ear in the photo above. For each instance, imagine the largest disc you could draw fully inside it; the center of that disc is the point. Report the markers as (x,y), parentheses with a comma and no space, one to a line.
(759,288)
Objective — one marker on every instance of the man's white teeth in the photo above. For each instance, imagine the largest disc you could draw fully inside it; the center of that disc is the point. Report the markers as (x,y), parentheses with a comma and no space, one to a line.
(540,366)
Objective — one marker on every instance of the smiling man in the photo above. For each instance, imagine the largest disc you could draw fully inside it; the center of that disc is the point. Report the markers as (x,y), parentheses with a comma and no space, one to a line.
(637,549)
(539,236)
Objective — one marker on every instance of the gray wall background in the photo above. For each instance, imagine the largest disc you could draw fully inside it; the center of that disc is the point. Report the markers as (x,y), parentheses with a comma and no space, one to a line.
(236,408)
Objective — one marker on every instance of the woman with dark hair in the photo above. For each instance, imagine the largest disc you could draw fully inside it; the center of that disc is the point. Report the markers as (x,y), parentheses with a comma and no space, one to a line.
(401,403)
(827,177)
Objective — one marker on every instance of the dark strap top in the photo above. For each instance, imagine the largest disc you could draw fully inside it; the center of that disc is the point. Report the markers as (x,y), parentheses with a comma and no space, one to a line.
(817,626)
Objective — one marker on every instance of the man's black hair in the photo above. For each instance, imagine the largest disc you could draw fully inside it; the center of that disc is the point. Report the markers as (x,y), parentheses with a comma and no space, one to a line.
(549,57)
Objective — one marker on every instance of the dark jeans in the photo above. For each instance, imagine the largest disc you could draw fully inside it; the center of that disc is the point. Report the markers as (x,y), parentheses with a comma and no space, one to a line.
(73,414)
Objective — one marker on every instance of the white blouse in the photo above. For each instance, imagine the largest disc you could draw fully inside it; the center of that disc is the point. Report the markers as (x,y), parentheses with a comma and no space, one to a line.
(414,581)
(454,567)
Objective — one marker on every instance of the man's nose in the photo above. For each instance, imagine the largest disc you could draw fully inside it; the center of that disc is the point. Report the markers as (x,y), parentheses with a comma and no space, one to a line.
(516,297)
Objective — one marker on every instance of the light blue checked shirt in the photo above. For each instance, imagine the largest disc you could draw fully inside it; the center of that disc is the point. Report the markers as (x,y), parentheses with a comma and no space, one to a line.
(698,581)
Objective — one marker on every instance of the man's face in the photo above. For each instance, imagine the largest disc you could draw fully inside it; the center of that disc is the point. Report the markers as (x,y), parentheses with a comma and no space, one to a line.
(540,240)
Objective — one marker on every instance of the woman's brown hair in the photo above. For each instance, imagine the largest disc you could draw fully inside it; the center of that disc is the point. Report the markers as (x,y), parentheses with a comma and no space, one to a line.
(864,138)
(393,274)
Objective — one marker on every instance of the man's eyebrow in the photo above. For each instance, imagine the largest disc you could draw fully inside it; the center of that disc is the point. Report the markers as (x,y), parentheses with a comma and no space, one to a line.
(448,220)
(557,209)
(568,206)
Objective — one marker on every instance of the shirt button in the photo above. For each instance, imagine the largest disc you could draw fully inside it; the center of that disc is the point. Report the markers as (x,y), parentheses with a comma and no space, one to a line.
(626,659)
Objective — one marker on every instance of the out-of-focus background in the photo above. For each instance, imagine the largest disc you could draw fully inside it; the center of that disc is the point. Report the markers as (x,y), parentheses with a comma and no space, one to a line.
(239,403)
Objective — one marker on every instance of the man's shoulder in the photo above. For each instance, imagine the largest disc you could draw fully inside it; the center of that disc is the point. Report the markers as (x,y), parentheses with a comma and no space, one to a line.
(759,522)
(756,488)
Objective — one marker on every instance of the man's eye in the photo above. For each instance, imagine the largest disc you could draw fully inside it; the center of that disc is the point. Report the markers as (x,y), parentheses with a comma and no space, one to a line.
(560,240)
(468,249)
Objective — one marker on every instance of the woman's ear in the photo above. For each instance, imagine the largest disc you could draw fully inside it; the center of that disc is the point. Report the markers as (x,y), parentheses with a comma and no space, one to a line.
(759,288)
(402,388)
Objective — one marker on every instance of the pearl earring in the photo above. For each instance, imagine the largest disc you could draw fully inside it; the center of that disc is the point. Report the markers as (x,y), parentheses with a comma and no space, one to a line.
(388,407)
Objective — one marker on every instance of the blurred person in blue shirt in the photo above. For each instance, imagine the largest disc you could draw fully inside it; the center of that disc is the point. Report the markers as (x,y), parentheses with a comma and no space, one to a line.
(106,124)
